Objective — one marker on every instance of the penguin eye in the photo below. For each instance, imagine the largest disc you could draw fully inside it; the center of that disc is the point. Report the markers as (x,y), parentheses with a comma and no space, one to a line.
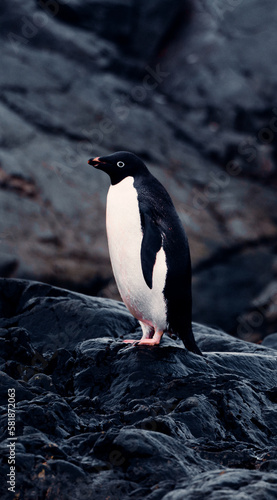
(120,164)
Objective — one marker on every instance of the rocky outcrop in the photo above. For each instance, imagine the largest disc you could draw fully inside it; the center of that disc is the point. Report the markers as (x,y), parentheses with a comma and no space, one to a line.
(96,418)
(189,87)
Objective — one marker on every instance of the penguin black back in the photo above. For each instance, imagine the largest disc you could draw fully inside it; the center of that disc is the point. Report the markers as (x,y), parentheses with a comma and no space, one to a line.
(156,204)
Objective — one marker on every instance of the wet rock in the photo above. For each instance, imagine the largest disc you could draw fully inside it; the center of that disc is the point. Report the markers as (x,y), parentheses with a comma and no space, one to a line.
(43,381)
(138,30)
(230,484)
(64,311)
(270,341)
(17,346)
(94,414)
(73,472)
(169,78)
(23,393)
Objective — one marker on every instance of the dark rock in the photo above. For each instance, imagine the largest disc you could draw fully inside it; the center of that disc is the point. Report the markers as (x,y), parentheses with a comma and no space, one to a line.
(8,265)
(64,311)
(271,341)
(269,466)
(131,421)
(17,345)
(43,381)
(72,471)
(136,29)
(7,382)
(261,313)
(228,484)
(191,87)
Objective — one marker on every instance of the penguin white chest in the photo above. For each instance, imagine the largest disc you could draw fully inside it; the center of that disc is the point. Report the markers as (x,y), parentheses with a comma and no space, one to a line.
(125,236)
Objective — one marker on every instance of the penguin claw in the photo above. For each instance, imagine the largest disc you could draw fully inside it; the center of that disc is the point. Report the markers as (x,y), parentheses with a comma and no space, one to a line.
(130,341)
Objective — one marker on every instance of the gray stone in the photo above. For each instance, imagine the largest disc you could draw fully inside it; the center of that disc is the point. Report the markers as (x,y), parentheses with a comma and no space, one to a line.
(188,86)
(94,414)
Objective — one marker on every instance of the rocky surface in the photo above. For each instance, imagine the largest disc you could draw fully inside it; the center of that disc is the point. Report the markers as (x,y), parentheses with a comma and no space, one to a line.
(190,87)
(96,418)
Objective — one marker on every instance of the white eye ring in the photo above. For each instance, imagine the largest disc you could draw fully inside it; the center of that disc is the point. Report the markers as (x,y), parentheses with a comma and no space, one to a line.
(120,164)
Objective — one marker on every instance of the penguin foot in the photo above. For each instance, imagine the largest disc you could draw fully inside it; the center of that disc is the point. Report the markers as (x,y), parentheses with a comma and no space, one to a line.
(142,342)
(155,340)
(149,342)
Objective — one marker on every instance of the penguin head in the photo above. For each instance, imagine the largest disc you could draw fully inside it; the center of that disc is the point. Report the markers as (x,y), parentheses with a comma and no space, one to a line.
(119,165)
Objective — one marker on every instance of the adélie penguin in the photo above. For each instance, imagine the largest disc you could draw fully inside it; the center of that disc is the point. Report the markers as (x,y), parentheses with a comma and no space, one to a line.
(148,249)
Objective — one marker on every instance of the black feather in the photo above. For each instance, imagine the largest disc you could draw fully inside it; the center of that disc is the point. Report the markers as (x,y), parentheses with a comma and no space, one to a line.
(151,244)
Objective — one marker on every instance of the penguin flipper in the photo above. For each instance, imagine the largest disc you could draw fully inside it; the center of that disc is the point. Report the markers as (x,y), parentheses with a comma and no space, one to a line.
(151,244)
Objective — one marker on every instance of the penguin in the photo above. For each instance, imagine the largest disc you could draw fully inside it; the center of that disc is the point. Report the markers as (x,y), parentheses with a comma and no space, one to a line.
(148,249)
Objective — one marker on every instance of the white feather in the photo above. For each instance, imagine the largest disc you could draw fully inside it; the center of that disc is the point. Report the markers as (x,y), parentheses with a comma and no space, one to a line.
(124,238)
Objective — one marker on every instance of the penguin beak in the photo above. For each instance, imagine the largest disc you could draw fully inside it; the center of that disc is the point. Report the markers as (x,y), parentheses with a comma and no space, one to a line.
(96,162)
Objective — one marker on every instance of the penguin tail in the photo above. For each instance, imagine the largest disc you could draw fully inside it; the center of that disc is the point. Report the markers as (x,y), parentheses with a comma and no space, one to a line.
(189,342)
(195,349)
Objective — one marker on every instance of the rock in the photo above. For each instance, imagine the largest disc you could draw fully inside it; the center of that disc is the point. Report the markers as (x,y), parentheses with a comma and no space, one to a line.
(23,393)
(270,341)
(255,321)
(73,472)
(230,484)
(170,79)
(94,414)
(261,314)
(8,265)
(139,30)
(43,381)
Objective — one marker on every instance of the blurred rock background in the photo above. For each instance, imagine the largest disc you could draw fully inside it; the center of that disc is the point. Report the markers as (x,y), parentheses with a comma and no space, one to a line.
(189,86)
